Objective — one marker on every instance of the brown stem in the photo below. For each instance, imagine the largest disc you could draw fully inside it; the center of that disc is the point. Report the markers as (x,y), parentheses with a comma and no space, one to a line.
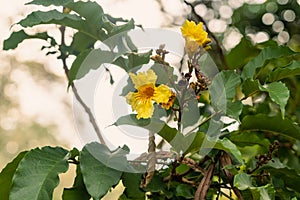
(151,160)
(205,183)
(226,160)
(74,89)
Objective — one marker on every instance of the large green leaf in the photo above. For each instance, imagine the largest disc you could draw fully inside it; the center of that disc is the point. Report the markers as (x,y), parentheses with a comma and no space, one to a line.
(78,190)
(18,37)
(199,142)
(132,60)
(37,174)
(265,55)
(249,139)
(289,70)
(234,109)
(243,181)
(266,192)
(49,3)
(288,175)
(82,42)
(153,124)
(275,125)
(184,190)
(87,60)
(96,162)
(7,174)
(132,182)
(241,54)
(250,87)
(279,94)
(223,88)
(91,11)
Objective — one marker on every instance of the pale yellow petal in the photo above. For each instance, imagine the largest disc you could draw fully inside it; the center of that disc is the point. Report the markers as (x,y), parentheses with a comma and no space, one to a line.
(191,46)
(143,78)
(162,94)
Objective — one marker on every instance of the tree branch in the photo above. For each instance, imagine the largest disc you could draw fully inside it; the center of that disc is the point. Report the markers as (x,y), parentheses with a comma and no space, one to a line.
(63,58)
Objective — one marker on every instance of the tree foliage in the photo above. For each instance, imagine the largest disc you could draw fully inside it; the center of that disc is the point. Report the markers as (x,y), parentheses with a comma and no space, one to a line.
(259,160)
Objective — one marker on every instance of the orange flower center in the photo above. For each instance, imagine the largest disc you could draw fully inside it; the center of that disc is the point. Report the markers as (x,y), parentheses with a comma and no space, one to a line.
(147,91)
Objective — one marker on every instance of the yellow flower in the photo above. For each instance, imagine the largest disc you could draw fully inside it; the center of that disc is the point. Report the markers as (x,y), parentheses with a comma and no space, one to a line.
(142,100)
(195,37)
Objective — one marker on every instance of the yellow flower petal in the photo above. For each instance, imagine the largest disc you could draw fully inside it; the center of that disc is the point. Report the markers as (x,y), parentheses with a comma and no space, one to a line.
(143,106)
(143,78)
(162,93)
(145,110)
(195,32)
(142,100)
(170,103)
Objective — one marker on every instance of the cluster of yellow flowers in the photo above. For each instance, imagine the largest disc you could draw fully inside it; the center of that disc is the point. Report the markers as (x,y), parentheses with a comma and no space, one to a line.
(147,92)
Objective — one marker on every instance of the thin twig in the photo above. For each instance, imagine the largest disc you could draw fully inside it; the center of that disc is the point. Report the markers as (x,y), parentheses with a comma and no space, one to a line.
(74,89)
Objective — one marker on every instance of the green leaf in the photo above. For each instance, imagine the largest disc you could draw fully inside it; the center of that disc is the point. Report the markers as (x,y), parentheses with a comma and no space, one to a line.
(200,141)
(241,54)
(96,162)
(132,60)
(165,74)
(266,192)
(275,125)
(37,174)
(234,109)
(49,3)
(137,59)
(226,145)
(168,133)
(7,174)
(17,37)
(81,42)
(87,60)
(184,190)
(292,69)
(73,153)
(153,124)
(91,11)
(279,94)
(121,28)
(265,55)
(249,87)
(249,139)
(53,17)
(288,175)
(242,181)
(78,191)
(132,182)
(223,88)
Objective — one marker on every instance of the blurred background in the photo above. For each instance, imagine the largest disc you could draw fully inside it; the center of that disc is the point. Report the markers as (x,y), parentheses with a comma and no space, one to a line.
(35,107)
